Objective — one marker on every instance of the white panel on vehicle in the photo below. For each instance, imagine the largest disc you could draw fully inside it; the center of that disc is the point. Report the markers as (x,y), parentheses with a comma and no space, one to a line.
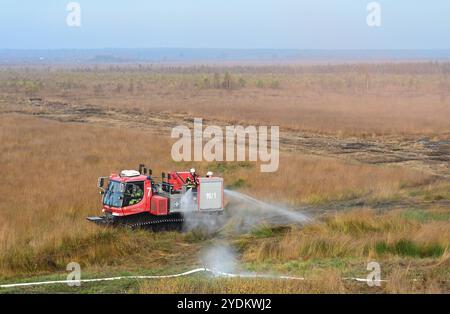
(210,193)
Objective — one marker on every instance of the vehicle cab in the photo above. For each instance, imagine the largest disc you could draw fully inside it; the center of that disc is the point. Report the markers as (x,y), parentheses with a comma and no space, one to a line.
(126,193)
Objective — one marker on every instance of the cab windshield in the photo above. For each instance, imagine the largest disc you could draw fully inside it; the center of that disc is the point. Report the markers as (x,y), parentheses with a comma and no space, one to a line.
(114,194)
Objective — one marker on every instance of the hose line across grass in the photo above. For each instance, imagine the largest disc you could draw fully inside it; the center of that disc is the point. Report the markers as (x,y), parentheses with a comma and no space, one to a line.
(187,273)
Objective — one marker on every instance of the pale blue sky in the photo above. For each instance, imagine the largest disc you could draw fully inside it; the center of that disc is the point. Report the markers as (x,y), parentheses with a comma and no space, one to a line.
(314,24)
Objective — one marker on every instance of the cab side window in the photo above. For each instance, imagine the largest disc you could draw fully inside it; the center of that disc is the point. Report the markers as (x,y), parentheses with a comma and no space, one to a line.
(134,193)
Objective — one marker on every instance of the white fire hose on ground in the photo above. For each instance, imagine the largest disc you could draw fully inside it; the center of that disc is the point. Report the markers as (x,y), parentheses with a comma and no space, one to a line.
(187,273)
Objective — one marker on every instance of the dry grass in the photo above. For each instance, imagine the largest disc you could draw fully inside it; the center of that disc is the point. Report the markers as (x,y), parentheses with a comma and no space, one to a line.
(358,234)
(315,180)
(331,282)
(49,179)
(50,169)
(413,254)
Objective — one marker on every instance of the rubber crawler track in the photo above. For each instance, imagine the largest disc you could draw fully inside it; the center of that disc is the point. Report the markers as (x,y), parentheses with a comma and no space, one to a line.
(145,221)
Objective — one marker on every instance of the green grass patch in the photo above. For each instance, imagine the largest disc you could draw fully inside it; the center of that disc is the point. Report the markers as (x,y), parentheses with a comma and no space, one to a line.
(239,183)
(406,247)
(262,231)
(424,216)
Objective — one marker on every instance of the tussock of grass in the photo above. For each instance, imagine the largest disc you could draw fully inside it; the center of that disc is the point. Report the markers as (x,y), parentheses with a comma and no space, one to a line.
(262,231)
(198,235)
(102,248)
(106,247)
(433,192)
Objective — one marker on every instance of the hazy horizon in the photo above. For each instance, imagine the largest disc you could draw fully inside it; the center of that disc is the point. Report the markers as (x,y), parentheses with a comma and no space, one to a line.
(164,55)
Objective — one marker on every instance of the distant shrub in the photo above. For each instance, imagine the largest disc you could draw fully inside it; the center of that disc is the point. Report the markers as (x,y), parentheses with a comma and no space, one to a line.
(131,87)
(98,89)
(260,83)
(119,87)
(275,84)
(216,80)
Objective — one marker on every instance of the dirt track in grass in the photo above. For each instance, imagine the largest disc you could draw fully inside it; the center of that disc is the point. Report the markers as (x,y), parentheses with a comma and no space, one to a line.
(430,154)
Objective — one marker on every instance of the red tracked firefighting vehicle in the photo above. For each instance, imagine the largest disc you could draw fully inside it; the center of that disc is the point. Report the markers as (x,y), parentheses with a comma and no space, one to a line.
(133,197)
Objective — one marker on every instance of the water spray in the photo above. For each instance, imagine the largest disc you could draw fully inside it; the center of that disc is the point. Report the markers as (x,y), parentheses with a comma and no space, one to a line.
(281,210)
